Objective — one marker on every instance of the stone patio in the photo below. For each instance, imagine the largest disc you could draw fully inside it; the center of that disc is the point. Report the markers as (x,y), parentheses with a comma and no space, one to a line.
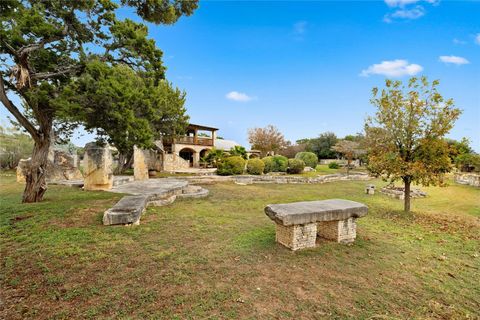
(143,193)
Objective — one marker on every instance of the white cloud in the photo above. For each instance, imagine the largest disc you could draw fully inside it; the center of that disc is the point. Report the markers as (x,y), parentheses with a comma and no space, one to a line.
(404,3)
(393,68)
(477,39)
(406,14)
(399,3)
(454,60)
(407,9)
(238,96)
(458,41)
(300,27)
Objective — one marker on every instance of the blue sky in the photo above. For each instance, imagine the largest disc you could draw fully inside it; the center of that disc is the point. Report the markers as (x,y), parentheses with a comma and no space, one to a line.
(309,67)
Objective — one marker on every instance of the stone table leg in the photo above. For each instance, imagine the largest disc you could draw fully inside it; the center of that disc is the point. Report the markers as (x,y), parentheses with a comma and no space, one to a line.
(343,231)
(297,236)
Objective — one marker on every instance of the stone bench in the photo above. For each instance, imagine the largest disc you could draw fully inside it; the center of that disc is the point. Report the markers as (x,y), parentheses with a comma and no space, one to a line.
(298,223)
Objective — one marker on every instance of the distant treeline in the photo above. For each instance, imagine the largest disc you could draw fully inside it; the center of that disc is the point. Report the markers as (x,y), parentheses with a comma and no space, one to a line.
(461,154)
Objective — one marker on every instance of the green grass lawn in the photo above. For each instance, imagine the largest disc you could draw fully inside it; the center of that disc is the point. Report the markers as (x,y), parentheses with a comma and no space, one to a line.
(216,258)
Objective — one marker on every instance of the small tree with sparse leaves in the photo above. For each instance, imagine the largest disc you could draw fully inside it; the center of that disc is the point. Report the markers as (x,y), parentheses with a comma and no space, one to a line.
(405,138)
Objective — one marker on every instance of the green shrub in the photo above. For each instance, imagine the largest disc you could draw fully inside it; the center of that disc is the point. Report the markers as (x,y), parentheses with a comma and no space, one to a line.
(295,166)
(238,151)
(309,158)
(280,163)
(255,166)
(468,162)
(275,164)
(268,162)
(333,165)
(231,165)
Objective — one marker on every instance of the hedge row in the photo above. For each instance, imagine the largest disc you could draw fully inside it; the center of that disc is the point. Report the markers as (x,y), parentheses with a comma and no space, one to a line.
(235,165)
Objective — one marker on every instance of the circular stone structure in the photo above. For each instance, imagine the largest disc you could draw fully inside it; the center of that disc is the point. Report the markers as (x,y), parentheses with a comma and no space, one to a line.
(152,192)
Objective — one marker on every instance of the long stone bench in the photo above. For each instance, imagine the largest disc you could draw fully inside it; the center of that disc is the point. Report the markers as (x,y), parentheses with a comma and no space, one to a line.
(299,223)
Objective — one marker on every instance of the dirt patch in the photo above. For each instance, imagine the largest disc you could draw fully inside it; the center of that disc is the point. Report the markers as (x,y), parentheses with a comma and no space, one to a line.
(20,218)
(465,225)
(84,217)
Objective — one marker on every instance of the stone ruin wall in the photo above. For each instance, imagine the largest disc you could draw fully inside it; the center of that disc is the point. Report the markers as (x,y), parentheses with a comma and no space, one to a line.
(471,179)
(174,162)
(61,166)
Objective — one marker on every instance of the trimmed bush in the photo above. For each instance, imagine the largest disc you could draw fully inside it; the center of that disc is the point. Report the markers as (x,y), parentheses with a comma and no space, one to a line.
(280,163)
(333,165)
(275,164)
(309,158)
(268,162)
(255,166)
(231,166)
(295,166)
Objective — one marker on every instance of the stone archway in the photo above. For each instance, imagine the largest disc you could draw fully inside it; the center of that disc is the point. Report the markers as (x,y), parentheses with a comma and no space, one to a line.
(204,152)
(188,154)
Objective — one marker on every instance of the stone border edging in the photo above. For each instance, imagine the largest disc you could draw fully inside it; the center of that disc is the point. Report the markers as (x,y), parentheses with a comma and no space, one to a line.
(273,179)
(471,179)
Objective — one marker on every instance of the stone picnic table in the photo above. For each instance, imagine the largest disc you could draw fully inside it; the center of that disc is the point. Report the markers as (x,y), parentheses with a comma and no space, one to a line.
(299,223)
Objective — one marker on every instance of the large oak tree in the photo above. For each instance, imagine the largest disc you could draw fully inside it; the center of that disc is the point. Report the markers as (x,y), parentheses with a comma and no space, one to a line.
(45,44)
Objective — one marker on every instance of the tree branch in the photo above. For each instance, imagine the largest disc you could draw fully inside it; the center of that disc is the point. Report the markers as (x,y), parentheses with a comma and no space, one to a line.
(16,113)
(46,75)
(10,48)
(23,51)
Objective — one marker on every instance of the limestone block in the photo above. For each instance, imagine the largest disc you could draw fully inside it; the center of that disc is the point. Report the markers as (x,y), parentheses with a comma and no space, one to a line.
(314,211)
(140,164)
(308,169)
(22,167)
(127,211)
(344,231)
(63,167)
(98,167)
(297,236)
(370,189)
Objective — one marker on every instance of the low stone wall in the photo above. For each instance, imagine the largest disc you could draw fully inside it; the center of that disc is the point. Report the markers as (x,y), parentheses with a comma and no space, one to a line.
(399,193)
(281,179)
(172,162)
(471,179)
(355,163)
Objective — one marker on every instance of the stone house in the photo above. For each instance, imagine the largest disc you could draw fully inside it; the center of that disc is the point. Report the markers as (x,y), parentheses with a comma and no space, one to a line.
(183,152)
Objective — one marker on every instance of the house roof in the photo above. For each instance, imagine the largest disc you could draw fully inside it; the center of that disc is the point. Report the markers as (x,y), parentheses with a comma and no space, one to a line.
(200,127)
(225,144)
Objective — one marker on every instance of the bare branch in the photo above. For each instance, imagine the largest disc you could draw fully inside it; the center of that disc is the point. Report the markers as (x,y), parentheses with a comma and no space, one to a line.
(16,113)
(10,48)
(46,75)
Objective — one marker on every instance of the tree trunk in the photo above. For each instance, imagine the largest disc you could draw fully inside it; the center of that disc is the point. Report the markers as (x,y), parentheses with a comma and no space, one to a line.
(349,160)
(406,204)
(36,184)
(125,161)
